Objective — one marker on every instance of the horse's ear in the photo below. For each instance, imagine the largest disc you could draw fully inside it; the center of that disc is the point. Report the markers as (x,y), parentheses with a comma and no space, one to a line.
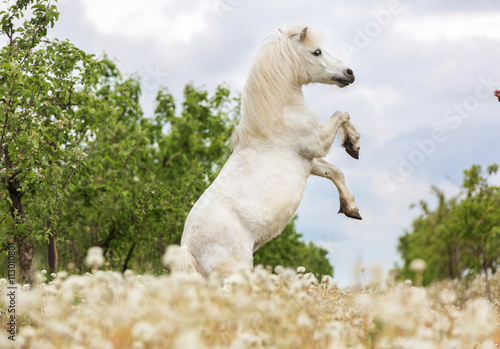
(300,36)
(303,34)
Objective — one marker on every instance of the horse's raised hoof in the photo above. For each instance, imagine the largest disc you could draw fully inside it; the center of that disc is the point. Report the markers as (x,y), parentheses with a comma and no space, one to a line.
(353,153)
(354,214)
(350,148)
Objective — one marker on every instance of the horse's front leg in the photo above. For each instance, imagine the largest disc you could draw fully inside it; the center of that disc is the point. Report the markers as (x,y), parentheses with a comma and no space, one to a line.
(330,128)
(324,169)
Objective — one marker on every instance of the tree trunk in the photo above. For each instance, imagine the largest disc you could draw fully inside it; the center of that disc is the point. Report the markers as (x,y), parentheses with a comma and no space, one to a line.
(52,253)
(451,269)
(26,263)
(24,244)
(129,255)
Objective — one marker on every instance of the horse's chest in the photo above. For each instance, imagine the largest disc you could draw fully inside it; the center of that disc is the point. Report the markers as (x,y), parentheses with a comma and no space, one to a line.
(269,192)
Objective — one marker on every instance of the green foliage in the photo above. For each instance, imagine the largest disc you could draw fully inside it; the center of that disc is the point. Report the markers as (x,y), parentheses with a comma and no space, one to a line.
(145,174)
(45,95)
(288,250)
(460,237)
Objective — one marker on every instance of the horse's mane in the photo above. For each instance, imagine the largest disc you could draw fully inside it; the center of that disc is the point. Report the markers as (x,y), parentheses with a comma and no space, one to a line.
(276,71)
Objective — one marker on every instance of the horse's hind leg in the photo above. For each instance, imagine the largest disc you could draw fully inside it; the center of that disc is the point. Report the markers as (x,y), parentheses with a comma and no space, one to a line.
(348,205)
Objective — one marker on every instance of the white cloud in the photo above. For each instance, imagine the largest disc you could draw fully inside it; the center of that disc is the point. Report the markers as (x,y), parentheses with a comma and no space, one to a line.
(164,20)
(450,27)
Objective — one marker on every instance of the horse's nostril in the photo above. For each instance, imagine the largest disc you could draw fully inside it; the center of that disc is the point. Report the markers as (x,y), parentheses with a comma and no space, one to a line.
(349,72)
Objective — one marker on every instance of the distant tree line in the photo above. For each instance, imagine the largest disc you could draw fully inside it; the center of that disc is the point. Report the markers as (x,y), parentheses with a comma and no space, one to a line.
(460,237)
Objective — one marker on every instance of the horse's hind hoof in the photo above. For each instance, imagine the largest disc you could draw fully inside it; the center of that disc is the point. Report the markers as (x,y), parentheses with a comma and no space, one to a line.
(353,215)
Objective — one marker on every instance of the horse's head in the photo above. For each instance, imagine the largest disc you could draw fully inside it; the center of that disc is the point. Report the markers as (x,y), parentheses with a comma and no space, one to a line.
(319,65)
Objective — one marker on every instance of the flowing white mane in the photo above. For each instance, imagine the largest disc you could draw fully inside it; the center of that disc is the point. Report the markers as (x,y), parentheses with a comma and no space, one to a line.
(276,73)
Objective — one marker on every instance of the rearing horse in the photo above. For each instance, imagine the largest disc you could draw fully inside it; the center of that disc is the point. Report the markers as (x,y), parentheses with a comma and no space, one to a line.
(278,144)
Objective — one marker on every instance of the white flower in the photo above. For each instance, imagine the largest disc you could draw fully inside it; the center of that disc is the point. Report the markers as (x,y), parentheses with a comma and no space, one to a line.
(488,345)
(94,257)
(28,332)
(479,320)
(44,272)
(143,331)
(418,265)
(327,279)
(189,339)
(303,320)
(279,269)
(447,296)
(301,270)
(62,274)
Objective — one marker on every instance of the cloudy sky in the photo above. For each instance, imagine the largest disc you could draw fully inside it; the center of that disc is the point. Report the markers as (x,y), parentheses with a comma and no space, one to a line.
(425,71)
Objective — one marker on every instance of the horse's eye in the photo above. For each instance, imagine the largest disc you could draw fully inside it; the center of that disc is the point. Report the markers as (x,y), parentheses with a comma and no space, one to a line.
(317,52)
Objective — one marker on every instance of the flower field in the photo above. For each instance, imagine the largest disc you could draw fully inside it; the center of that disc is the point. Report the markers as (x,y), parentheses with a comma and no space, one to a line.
(259,309)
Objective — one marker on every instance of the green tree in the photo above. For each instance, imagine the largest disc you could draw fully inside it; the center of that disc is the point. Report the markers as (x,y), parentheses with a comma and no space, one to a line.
(458,238)
(144,174)
(47,107)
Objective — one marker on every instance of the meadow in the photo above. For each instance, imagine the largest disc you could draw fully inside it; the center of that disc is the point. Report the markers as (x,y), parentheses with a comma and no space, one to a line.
(283,308)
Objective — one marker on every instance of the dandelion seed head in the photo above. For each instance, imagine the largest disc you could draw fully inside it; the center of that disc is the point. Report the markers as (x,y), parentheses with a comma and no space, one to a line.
(303,320)
(447,296)
(418,265)
(189,339)
(279,269)
(94,257)
(143,331)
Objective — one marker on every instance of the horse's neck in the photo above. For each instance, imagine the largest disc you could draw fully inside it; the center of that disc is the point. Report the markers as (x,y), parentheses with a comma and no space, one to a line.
(296,96)
(293,97)
(296,103)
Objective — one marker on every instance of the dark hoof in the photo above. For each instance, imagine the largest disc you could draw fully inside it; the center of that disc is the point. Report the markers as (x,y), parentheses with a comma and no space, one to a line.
(353,153)
(349,147)
(350,214)
(353,215)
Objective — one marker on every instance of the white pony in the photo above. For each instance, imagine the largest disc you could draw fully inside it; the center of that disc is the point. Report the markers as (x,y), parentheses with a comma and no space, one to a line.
(279,142)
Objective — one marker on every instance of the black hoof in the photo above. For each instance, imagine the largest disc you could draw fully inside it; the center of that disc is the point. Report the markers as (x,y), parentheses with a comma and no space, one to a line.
(353,215)
(353,153)
(349,147)
(350,214)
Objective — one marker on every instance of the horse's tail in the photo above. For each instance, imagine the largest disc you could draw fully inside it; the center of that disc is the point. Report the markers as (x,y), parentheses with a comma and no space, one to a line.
(180,258)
